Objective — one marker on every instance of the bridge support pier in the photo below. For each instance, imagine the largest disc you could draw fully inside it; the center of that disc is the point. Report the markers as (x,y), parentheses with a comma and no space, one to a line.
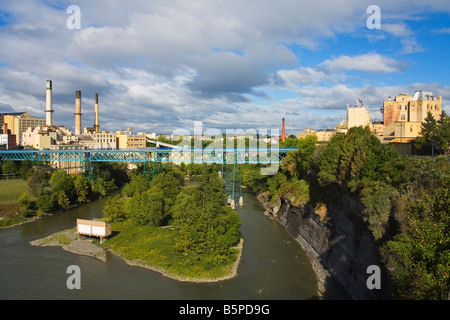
(231,179)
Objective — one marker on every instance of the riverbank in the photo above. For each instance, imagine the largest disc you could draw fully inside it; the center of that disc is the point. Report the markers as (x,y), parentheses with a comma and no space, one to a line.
(71,242)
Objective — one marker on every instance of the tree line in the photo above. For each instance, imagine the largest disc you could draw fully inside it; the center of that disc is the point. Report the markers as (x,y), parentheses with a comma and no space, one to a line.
(52,190)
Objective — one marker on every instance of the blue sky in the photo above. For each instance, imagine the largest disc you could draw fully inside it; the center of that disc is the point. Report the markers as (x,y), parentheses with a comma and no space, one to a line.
(158,66)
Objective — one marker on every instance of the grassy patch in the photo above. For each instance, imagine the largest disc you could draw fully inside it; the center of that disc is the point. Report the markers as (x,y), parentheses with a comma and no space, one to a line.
(155,247)
(10,190)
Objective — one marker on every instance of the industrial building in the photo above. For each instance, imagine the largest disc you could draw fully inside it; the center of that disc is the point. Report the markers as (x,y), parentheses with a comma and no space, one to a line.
(19,122)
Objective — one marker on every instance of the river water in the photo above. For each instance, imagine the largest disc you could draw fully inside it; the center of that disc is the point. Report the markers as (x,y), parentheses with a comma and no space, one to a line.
(273,265)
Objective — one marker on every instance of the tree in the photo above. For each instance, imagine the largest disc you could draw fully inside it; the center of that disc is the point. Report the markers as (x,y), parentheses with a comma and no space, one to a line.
(351,159)
(103,187)
(138,183)
(427,134)
(419,256)
(9,167)
(25,166)
(63,200)
(37,178)
(443,132)
(82,188)
(114,208)
(203,223)
(61,181)
(47,202)
(26,201)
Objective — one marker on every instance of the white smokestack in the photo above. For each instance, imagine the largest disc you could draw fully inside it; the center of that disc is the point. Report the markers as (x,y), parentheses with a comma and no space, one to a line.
(48,104)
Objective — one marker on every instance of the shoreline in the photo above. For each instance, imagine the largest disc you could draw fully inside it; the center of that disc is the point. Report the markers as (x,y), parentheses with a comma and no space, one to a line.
(68,241)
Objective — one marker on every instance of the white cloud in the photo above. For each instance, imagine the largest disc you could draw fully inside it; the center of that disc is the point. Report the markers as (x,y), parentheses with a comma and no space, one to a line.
(371,62)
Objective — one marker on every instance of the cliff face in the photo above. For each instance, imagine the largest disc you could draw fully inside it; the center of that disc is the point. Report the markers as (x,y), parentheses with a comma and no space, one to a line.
(339,245)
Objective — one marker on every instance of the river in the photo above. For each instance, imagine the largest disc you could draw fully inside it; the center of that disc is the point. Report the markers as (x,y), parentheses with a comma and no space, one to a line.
(273,265)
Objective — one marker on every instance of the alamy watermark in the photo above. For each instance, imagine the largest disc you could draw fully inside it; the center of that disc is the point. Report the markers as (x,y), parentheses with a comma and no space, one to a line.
(374,21)
(262,147)
(73,22)
(374,280)
(74,280)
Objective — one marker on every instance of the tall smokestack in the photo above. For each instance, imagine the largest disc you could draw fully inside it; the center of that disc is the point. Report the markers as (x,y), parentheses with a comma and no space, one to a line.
(48,104)
(78,112)
(283,132)
(96,125)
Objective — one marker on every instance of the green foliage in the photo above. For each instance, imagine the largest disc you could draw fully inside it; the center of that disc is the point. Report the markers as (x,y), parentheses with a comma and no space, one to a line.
(203,223)
(102,187)
(252,178)
(26,201)
(427,134)
(114,208)
(297,191)
(47,202)
(432,130)
(354,158)
(37,178)
(137,184)
(63,200)
(25,166)
(419,257)
(297,164)
(82,188)
(61,181)
(9,167)
(376,198)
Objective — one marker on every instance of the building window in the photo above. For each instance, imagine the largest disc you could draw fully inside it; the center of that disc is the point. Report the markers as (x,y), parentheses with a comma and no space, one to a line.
(403,117)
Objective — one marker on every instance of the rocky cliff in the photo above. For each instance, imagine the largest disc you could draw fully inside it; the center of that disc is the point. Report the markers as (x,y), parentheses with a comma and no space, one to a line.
(338,243)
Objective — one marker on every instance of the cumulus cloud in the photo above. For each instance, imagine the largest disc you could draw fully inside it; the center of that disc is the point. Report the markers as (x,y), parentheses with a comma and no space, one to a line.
(371,62)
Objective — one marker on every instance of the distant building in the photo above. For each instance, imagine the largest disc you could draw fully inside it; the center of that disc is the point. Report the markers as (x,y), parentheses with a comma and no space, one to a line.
(19,122)
(7,140)
(46,137)
(357,115)
(128,141)
(411,108)
(322,135)
(404,115)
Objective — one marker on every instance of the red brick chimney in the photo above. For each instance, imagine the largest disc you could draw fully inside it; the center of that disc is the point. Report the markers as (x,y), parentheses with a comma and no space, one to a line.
(283,132)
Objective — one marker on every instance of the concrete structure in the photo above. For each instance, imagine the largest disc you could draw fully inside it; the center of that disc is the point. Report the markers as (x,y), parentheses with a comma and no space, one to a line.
(78,112)
(40,137)
(322,135)
(399,130)
(411,108)
(357,115)
(96,123)
(127,141)
(48,104)
(93,228)
(18,123)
